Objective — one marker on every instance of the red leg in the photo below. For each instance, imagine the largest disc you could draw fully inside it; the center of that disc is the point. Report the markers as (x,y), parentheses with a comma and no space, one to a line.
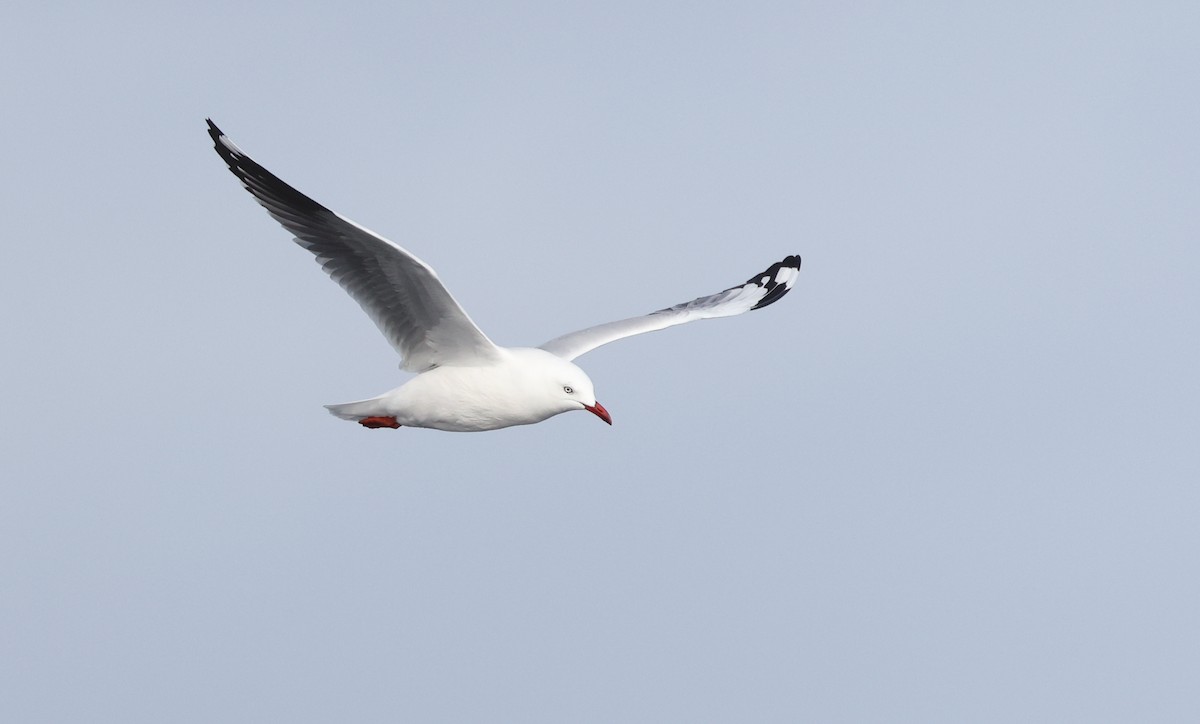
(377,422)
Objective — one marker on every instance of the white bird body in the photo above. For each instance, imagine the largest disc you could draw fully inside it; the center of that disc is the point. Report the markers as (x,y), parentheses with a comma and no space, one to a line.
(523,386)
(465,382)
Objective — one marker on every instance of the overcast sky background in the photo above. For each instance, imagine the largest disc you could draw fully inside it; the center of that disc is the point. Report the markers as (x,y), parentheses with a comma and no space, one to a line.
(952,477)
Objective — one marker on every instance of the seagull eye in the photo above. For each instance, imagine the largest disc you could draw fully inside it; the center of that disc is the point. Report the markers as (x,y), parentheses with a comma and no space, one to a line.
(567,389)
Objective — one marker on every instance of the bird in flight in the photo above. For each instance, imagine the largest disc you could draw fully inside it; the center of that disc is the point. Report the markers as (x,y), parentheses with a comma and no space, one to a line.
(465,383)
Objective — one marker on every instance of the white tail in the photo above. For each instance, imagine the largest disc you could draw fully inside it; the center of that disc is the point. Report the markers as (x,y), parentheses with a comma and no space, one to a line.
(359,409)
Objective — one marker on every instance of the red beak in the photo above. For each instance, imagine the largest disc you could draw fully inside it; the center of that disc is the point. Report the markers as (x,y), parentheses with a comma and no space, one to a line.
(599,411)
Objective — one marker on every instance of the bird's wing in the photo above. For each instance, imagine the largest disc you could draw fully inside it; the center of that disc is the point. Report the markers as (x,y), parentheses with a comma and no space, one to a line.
(758,291)
(401,293)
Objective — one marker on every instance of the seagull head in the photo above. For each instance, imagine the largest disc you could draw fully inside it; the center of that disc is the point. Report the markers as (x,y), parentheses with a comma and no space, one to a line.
(562,386)
(577,393)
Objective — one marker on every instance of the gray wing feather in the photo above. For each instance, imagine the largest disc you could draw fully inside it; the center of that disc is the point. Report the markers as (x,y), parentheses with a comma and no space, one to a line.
(758,291)
(398,291)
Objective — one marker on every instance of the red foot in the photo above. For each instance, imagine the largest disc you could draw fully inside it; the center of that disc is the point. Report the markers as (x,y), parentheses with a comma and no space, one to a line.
(377,422)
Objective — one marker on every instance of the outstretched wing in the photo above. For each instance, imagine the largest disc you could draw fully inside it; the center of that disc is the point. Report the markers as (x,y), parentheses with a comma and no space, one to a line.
(398,291)
(758,291)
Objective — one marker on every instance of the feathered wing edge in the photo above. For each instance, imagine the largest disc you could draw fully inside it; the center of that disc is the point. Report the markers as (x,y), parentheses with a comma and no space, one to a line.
(398,291)
(760,290)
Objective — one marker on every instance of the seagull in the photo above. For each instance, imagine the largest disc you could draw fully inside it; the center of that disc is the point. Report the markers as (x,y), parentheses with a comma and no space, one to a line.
(464,382)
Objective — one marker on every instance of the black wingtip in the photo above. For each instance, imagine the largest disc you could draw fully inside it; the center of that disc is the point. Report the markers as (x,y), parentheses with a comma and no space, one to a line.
(772,282)
(270,190)
(224,147)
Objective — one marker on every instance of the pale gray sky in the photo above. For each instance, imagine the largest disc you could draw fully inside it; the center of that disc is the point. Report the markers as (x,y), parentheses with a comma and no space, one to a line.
(952,477)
